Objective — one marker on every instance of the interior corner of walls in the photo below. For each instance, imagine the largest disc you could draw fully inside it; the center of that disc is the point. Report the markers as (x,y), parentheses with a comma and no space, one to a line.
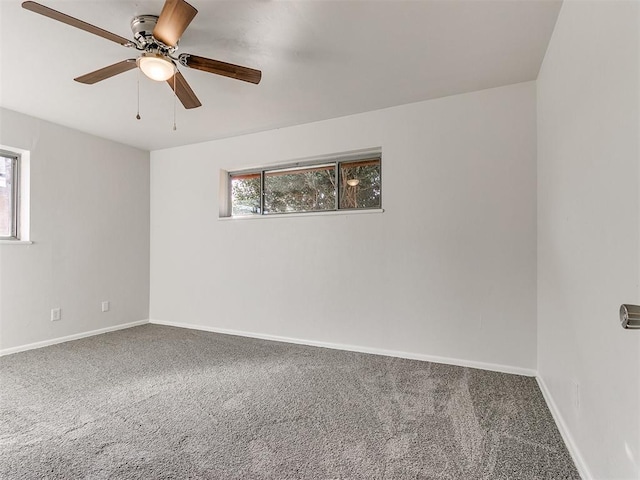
(564,430)
(551,37)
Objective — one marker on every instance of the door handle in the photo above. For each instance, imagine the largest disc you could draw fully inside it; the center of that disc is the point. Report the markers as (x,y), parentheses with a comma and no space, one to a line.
(630,316)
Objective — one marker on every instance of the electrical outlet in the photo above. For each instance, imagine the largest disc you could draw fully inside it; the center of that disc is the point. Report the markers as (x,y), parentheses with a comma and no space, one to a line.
(105,306)
(56,314)
(576,396)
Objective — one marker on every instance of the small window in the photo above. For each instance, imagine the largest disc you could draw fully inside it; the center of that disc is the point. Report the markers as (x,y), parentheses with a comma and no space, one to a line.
(360,184)
(245,192)
(310,189)
(307,187)
(9,195)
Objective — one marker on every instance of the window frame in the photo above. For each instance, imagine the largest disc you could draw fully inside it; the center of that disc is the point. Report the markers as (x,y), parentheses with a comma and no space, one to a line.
(335,161)
(15,194)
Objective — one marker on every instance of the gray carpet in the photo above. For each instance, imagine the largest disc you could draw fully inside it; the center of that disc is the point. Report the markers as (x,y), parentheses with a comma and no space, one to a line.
(156,402)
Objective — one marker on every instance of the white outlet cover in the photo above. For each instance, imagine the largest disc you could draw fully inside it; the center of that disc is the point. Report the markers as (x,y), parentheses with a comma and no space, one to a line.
(56,314)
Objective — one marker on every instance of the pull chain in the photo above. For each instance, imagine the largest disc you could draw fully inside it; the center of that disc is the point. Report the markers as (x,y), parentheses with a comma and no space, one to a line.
(174,101)
(138,114)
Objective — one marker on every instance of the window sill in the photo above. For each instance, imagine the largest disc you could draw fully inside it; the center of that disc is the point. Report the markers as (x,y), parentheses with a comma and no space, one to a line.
(305,214)
(16,242)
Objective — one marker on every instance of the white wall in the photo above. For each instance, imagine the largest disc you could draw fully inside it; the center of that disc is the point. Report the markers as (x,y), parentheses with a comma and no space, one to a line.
(588,224)
(90,228)
(447,270)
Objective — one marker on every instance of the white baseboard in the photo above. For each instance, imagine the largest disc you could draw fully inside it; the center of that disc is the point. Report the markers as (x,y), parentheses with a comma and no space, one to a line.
(357,348)
(68,338)
(581,465)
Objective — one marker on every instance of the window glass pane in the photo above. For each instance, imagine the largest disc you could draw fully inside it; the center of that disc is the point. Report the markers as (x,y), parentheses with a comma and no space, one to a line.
(360,184)
(245,194)
(300,190)
(7,220)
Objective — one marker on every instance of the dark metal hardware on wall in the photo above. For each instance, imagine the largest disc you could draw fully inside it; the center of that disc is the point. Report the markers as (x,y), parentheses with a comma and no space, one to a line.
(630,316)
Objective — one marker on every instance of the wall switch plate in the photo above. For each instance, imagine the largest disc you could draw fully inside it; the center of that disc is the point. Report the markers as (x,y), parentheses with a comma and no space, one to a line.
(105,306)
(56,314)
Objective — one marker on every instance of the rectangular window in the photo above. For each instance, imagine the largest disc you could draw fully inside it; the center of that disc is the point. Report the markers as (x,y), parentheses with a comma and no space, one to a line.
(307,187)
(360,184)
(9,186)
(245,192)
(310,189)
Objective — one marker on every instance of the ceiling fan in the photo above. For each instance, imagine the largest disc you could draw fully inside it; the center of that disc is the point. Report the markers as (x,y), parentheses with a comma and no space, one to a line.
(157,38)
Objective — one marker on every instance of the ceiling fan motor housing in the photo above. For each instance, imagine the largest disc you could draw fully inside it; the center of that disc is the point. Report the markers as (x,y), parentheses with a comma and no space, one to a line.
(142,27)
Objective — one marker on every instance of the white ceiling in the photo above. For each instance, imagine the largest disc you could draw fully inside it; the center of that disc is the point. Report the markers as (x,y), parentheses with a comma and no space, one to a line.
(319,60)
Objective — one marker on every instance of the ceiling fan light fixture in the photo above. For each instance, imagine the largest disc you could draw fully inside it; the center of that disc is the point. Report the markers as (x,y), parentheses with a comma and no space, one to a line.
(156,67)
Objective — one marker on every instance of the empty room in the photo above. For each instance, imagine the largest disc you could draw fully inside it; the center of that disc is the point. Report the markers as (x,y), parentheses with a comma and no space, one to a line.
(320,239)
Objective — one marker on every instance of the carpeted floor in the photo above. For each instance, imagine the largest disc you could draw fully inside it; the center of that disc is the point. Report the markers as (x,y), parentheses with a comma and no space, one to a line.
(157,402)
